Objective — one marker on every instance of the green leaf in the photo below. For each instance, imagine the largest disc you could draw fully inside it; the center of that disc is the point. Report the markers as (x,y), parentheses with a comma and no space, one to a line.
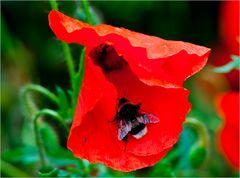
(11,171)
(49,136)
(48,171)
(163,168)
(23,155)
(62,157)
(234,64)
(62,173)
(63,103)
(66,163)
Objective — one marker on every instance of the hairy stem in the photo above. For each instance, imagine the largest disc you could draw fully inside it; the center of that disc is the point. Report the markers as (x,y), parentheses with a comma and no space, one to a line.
(27,100)
(87,12)
(56,117)
(69,60)
(66,51)
(53,4)
(202,133)
(79,77)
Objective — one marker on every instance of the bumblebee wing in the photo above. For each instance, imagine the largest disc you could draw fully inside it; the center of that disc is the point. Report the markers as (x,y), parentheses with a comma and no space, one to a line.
(140,119)
(124,128)
(147,118)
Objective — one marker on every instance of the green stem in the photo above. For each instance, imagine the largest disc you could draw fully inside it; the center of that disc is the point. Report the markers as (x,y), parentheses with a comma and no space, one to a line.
(54,115)
(53,4)
(39,142)
(81,62)
(66,51)
(42,90)
(39,89)
(69,60)
(79,77)
(202,133)
(87,12)
(12,171)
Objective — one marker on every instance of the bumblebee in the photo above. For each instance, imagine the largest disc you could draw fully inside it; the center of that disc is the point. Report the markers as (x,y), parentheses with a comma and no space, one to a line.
(132,120)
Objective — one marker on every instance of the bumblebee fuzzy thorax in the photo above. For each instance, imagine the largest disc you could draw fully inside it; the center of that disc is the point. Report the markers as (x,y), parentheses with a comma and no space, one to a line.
(132,120)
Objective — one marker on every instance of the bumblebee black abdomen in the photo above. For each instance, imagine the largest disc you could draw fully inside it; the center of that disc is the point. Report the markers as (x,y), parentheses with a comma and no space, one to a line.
(137,129)
(130,120)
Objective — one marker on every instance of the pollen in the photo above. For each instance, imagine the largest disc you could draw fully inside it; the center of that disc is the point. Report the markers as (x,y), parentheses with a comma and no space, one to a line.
(107,58)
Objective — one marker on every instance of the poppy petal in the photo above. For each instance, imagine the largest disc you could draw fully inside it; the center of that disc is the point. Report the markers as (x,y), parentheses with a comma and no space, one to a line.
(162,102)
(94,87)
(123,64)
(229,26)
(154,60)
(93,140)
(228,105)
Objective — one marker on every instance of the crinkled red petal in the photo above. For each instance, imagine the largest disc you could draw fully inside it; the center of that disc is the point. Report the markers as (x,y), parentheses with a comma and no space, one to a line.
(154,60)
(170,105)
(155,72)
(93,140)
(93,135)
(229,133)
(94,88)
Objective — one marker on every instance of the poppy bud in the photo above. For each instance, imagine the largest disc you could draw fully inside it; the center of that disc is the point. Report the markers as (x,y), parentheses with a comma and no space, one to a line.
(197,155)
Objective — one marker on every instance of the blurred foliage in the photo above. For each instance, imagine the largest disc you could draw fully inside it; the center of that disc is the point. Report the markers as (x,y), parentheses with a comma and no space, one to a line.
(234,64)
(32,54)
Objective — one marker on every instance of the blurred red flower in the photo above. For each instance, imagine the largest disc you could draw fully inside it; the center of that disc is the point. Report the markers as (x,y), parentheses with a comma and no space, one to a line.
(229,26)
(228,106)
(228,103)
(143,69)
(229,40)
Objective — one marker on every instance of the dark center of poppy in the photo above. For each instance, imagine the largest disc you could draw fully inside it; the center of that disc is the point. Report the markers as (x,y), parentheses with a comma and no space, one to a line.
(107,58)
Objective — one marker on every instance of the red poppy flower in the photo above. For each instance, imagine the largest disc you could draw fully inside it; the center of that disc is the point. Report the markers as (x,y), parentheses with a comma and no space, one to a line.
(143,69)
(228,105)
(229,25)
(229,31)
(220,57)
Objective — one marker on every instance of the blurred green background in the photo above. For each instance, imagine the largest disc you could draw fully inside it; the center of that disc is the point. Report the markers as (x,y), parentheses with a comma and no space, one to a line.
(30,53)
